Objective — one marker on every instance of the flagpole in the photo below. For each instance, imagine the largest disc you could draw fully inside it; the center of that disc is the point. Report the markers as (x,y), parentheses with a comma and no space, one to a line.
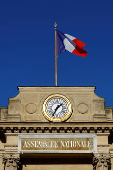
(55,25)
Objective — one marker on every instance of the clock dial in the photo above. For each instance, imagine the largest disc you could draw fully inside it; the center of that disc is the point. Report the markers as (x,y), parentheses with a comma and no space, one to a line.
(57,108)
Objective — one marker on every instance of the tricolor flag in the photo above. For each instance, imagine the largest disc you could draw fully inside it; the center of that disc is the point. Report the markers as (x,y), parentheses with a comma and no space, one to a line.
(69,43)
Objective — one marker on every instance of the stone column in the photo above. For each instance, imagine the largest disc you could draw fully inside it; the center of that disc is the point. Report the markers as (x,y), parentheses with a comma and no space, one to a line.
(11,161)
(102,161)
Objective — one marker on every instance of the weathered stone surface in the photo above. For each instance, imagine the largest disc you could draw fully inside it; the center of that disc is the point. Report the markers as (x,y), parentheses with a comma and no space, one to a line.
(27,105)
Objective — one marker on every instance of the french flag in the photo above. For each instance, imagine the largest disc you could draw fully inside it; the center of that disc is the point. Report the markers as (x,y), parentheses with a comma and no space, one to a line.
(69,43)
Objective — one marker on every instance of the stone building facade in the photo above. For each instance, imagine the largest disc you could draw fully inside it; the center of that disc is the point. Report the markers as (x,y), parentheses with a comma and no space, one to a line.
(56,128)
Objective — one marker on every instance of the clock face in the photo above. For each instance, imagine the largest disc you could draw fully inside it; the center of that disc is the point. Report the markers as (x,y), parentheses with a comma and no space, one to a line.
(57,108)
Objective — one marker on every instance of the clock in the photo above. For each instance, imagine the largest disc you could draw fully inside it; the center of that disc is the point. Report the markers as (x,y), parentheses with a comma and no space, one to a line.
(57,108)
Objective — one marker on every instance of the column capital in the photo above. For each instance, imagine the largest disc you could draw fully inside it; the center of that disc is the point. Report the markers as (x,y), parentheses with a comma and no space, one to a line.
(11,161)
(101,161)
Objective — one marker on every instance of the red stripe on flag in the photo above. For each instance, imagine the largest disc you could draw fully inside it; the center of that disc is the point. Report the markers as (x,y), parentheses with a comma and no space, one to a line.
(79,43)
(79,51)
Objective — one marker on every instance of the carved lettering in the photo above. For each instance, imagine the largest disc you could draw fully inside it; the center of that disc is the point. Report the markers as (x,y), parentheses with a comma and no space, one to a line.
(57,144)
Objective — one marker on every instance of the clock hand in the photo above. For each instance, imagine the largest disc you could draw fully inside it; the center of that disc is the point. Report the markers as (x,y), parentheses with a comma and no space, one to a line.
(56,108)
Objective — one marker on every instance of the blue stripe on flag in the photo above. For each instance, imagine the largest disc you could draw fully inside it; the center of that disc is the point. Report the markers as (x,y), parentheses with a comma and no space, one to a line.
(60,44)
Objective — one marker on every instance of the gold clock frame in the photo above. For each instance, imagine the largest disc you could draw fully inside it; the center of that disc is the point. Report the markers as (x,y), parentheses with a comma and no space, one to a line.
(61,119)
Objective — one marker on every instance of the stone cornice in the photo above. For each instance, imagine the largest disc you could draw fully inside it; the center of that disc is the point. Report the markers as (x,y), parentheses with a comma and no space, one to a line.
(58,124)
(62,89)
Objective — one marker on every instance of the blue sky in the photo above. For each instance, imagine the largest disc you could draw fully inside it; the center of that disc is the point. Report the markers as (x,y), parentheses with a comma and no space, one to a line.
(27,45)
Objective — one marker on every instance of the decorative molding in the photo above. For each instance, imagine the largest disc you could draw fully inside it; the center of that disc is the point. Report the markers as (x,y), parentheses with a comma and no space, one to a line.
(103,148)
(31,108)
(16,130)
(82,108)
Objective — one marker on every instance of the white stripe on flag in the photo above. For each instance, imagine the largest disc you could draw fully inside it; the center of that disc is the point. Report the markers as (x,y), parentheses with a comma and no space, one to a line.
(68,46)
(70,37)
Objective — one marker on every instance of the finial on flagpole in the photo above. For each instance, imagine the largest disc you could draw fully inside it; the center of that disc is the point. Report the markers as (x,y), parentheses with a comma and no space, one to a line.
(55,25)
